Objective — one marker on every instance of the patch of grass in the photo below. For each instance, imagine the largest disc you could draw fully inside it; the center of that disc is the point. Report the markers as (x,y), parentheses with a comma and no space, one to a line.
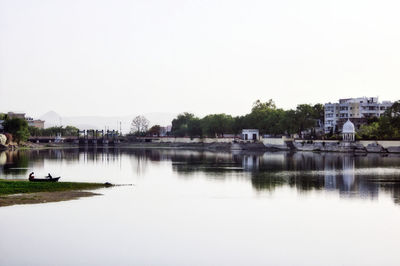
(8,187)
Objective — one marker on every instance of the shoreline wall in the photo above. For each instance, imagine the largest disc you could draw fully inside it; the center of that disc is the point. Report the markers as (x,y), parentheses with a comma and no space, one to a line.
(192,140)
(283,143)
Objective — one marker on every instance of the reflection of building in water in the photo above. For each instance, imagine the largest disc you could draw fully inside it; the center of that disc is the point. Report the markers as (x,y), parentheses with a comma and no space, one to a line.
(250,162)
(340,174)
(330,175)
(307,171)
(348,173)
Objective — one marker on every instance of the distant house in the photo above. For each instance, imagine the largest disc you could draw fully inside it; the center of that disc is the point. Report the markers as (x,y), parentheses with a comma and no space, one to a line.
(35,122)
(250,134)
(12,115)
(358,110)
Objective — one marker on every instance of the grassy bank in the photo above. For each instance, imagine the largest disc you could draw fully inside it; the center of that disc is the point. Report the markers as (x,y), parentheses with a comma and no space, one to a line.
(8,187)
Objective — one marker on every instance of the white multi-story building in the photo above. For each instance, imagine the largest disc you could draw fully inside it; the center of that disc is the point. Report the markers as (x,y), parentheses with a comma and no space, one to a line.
(358,110)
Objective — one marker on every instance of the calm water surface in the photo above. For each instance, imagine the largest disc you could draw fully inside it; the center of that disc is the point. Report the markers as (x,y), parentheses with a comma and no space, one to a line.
(206,208)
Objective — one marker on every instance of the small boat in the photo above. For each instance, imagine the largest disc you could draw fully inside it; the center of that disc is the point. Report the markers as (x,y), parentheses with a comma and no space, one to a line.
(54,179)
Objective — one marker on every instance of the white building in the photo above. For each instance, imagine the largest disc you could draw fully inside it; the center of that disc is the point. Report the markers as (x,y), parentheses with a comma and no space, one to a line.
(348,131)
(356,109)
(250,134)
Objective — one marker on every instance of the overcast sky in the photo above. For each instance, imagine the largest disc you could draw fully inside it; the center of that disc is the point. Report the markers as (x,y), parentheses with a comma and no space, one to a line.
(130,57)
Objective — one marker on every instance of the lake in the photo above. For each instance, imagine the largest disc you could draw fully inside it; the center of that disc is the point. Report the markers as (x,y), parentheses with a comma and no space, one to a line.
(207,208)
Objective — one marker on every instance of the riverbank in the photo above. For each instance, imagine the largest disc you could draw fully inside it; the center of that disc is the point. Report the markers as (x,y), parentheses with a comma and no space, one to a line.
(14,192)
(265,144)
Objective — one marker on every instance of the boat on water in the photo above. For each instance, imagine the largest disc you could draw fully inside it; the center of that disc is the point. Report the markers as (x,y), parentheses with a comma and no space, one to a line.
(54,179)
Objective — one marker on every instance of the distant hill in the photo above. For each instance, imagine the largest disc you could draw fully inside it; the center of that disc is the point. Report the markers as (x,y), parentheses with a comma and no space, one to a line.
(52,118)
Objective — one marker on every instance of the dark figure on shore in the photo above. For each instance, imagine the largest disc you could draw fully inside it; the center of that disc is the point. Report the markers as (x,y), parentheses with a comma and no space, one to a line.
(49,176)
(31,176)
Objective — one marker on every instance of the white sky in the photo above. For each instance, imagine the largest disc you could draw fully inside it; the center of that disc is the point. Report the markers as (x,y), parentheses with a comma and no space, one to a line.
(129,57)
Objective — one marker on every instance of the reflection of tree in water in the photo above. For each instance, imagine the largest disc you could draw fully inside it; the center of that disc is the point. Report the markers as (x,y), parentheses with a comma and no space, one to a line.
(351,176)
(16,163)
(303,171)
(214,164)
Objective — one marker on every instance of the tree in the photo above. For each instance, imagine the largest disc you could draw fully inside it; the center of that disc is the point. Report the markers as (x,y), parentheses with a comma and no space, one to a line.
(305,117)
(394,114)
(194,128)
(370,131)
(139,125)
(319,112)
(180,124)
(289,122)
(18,128)
(239,123)
(154,130)
(70,131)
(260,106)
(217,124)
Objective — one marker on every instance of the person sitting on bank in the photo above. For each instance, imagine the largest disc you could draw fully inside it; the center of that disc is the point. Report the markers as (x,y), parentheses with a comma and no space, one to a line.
(49,176)
(31,176)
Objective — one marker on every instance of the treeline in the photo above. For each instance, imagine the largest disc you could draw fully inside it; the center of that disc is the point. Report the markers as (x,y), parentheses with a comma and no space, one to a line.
(264,116)
(385,127)
(53,131)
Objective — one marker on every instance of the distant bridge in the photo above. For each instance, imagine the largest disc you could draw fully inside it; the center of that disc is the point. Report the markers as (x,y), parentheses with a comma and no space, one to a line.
(83,137)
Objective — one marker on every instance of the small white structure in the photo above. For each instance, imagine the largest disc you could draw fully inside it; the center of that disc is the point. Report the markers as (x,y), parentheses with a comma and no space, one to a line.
(348,131)
(59,139)
(3,139)
(250,134)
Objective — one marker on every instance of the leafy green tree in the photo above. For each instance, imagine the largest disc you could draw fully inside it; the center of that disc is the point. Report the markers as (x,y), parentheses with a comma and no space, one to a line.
(319,112)
(239,123)
(180,124)
(194,128)
(370,131)
(394,114)
(154,130)
(217,124)
(260,106)
(34,131)
(289,122)
(18,128)
(304,115)
(70,131)
(263,116)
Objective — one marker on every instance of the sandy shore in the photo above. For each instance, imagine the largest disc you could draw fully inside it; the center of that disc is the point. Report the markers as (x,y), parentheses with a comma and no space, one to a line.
(43,197)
